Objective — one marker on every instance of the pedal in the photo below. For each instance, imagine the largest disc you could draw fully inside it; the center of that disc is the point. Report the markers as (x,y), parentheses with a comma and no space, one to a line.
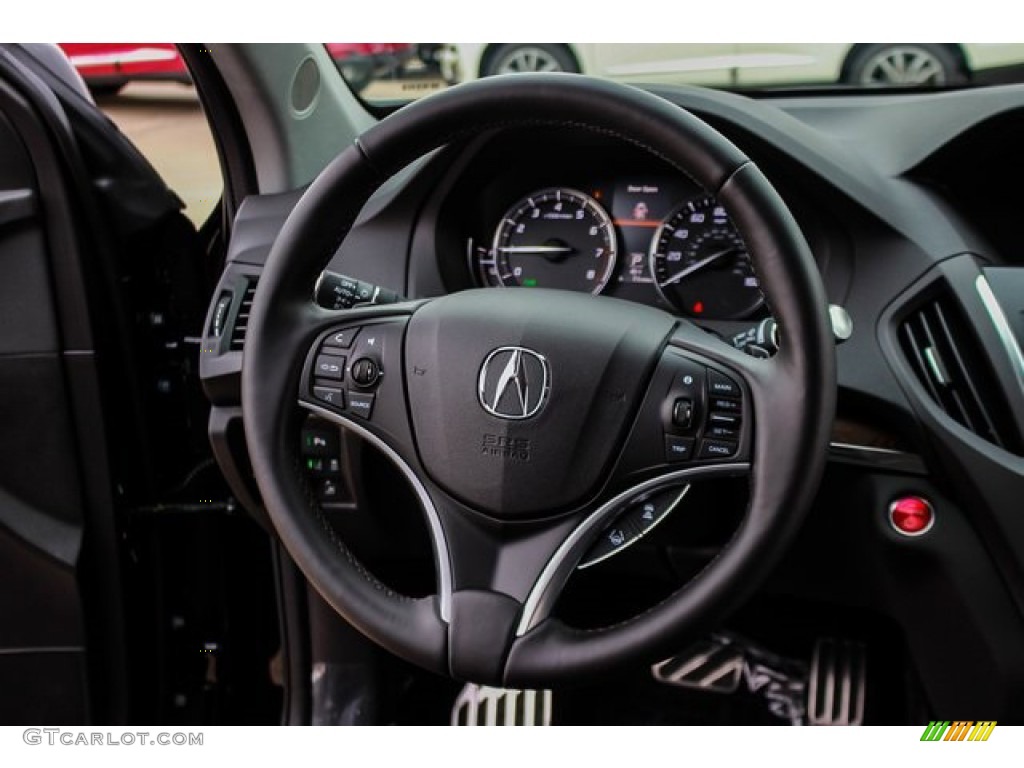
(837,683)
(482,705)
(728,664)
(714,665)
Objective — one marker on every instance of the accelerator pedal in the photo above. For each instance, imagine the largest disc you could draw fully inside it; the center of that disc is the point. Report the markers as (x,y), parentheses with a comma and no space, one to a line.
(483,705)
(837,683)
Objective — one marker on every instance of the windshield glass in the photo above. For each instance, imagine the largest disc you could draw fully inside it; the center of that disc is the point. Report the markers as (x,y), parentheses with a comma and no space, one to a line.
(394,73)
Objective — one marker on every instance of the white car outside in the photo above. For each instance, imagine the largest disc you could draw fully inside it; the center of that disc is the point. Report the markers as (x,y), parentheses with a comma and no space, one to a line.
(737,65)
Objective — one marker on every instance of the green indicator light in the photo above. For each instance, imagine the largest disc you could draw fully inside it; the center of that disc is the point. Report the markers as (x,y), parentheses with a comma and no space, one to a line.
(530,282)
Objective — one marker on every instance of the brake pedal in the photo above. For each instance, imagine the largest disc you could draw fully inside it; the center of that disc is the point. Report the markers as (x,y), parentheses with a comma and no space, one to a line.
(483,705)
(713,665)
(837,683)
(727,664)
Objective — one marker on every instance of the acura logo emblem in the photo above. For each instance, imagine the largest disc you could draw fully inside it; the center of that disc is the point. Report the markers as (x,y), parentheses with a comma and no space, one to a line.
(514,383)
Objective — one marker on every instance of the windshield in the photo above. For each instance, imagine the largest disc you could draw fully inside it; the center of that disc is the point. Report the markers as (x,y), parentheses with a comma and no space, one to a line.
(394,73)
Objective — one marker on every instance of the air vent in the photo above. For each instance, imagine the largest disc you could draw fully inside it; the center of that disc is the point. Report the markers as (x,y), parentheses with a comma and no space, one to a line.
(242,318)
(947,357)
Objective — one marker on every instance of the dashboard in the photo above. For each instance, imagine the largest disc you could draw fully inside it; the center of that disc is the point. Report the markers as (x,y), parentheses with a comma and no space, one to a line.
(908,228)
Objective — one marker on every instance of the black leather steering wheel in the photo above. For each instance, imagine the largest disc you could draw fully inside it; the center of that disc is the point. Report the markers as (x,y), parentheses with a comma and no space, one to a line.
(529,421)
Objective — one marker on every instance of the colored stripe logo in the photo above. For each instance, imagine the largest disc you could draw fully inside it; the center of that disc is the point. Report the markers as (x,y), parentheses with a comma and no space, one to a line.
(960,730)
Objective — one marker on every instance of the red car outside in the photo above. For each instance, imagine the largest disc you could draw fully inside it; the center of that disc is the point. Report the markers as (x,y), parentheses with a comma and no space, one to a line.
(361,63)
(108,67)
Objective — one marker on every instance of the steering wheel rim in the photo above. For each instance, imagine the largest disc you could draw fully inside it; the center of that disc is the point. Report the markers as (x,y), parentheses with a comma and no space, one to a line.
(791,395)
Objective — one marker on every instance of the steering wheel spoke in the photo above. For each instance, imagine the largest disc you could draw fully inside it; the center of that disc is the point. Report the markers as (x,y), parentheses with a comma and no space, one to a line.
(611,526)
(498,580)
(492,567)
(352,373)
(698,410)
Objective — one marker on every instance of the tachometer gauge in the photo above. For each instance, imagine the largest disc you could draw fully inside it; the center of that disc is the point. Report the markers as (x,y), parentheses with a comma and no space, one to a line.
(554,238)
(700,263)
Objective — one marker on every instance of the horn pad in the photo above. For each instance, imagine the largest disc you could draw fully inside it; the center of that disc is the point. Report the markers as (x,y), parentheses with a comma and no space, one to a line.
(520,399)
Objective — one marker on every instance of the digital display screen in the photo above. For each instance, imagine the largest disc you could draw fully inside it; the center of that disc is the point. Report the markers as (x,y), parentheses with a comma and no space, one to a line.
(638,207)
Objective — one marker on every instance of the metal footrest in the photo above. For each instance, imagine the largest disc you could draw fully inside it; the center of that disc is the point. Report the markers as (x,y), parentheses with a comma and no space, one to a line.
(482,705)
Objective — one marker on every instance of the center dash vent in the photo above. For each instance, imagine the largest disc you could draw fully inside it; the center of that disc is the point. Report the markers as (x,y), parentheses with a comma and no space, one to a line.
(242,318)
(949,361)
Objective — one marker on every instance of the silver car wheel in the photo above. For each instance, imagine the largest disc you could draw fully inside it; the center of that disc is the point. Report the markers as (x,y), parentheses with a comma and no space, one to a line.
(904,65)
(527,59)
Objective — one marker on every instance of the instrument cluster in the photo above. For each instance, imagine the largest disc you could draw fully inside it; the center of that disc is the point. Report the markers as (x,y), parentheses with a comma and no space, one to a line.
(659,240)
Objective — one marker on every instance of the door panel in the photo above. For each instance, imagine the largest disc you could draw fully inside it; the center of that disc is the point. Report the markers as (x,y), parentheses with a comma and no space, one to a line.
(696,63)
(46,507)
(790,63)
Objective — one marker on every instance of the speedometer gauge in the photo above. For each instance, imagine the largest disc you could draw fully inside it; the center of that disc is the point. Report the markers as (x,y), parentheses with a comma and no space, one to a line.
(554,238)
(700,263)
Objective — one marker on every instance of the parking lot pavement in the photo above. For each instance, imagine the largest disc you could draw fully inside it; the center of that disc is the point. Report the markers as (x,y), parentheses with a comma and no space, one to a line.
(165,121)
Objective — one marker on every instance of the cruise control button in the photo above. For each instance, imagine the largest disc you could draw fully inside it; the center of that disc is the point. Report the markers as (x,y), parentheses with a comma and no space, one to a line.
(678,448)
(342,338)
(716,449)
(361,404)
(646,514)
(335,397)
(730,420)
(721,433)
(329,367)
(614,538)
(730,406)
(721,385)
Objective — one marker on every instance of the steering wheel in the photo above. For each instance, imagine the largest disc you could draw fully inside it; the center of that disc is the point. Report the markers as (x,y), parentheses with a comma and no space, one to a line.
(538,428)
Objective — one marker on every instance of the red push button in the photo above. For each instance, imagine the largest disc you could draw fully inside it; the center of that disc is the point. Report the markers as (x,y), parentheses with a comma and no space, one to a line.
(911,515)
